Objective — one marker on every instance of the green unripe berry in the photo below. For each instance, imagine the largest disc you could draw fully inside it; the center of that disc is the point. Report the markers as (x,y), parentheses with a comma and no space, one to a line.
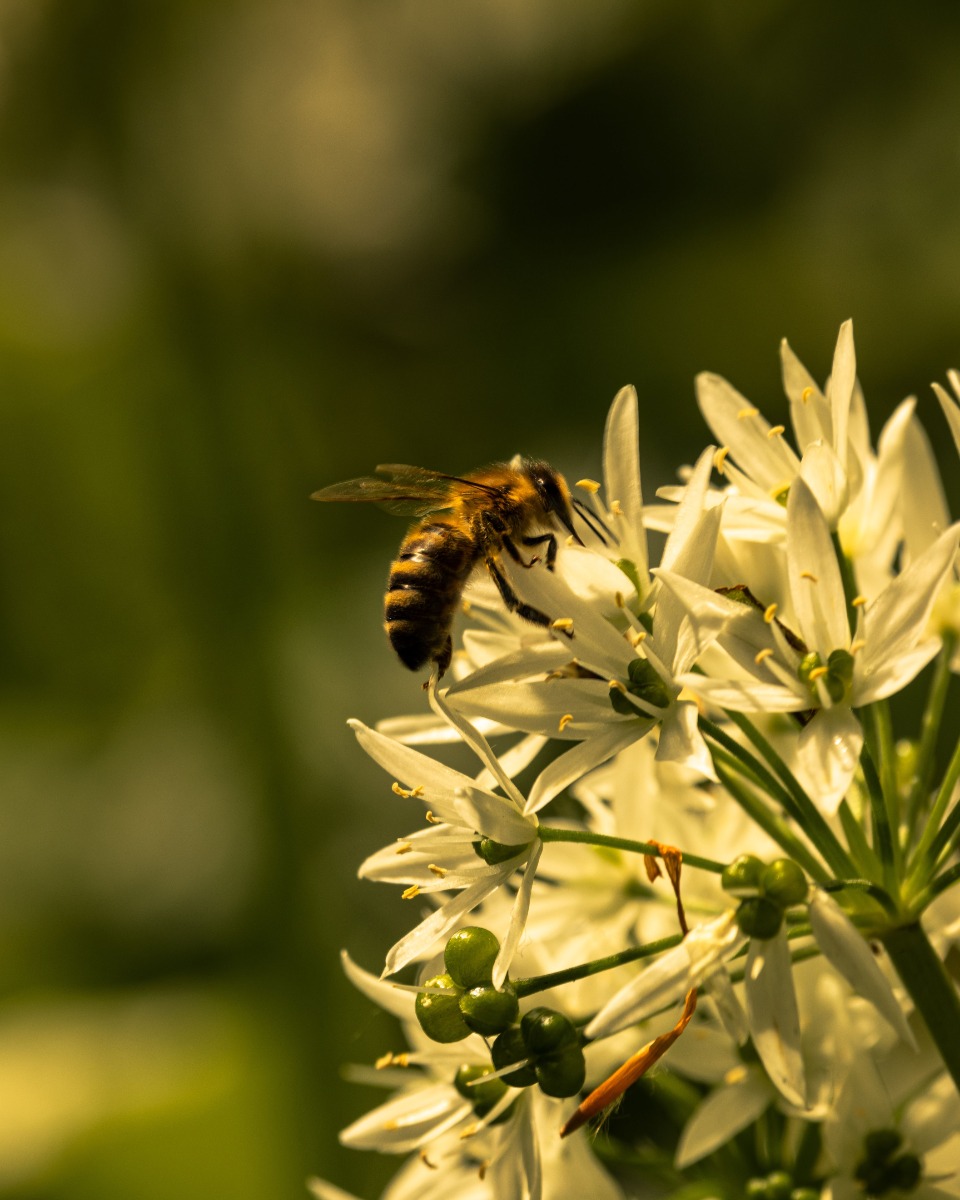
(561,1073)
(756,1189)
(494,853)
(488,1011)
(759,917)
(783,882)
(545,1029)
(469,956)
(742,876)
(483,1096)
(510,1048)
(439,1016)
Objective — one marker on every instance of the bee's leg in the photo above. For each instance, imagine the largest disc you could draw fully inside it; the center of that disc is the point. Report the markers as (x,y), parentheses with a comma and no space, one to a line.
(443,658)
(514,553)
(538,540)
(513,601)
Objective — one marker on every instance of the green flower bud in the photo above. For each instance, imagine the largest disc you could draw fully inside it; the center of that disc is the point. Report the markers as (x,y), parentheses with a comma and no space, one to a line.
(510,1048)
(544,1030)
(469,956)
(488,1011)
(439,1016)
(742,876)
(494,853)
(483,1096)
(839,677)
(759,917)
(561,1073)
(783,882)
(779,1185)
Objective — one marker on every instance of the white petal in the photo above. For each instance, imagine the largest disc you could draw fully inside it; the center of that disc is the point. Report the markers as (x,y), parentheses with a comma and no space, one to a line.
(389,998)
(539,707)
(494,817)
(702,616)
(567,768)
(851,956)
(732,1106)
(736,424)
(409,766)
(536,659)
(744,695)
(826,477)
(321,1190)
(695,562)
(423,937)
(951,412)
(408,1120)
(670,975)
(809,410)
(621,474)
(682,742)
(518,920)
(772,1012)
(829,750)
(815,583)
(840,392)
(688,516)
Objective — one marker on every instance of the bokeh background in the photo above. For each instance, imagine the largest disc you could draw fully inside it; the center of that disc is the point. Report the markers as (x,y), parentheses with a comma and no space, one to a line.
(251,247)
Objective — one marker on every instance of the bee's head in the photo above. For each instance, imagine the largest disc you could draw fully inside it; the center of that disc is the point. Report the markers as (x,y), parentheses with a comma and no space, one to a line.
(552,493)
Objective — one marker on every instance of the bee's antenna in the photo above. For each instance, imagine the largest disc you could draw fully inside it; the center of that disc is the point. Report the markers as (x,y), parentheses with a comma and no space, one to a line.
(594,522)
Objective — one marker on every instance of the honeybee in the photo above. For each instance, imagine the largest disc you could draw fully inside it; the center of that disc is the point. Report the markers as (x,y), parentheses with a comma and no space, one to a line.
(462,521)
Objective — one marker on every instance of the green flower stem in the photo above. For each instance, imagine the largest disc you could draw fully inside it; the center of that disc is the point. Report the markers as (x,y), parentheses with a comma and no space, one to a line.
(849,581)
(860,848)
(940,884)
(931,989)
(929,730)
(786,791)
(871,889)
(550,833)
(935,837)
(768,821)
(883,838)
(541,983)
(885,758)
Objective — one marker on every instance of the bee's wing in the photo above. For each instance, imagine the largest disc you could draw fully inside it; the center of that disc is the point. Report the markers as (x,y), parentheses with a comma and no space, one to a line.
(404,499)
(421,475)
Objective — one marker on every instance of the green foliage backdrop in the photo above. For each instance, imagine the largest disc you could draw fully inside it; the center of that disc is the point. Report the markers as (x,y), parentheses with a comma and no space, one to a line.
(251,248)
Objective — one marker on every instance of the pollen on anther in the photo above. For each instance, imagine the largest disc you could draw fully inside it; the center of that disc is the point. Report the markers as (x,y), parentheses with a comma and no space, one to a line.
(763,655)
(809,575)
(770,612)
(564,721)
(636,636)
(616,509)
(391,1060)
(746,413)
(817,673)
(431,818)
(588,485)
(407,793)
(776,431)
(720,458)
(806,394)
(469,1132)
(563,624)
(435,870)
(403,848)
(857,645)
(411,892)
(858,602)
(616,686)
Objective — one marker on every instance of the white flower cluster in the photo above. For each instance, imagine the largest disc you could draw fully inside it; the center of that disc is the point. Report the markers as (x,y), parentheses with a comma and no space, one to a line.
(703,843)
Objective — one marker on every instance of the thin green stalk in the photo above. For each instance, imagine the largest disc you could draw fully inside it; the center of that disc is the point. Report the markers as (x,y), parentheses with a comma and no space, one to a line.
(936,837)
(802,808)
(541,983)
(947,879)
(932,990)
(550,833)
(849,582)
(883,835)
(869,888)
(884,755)
(860,848)
(769,821)
(929,730)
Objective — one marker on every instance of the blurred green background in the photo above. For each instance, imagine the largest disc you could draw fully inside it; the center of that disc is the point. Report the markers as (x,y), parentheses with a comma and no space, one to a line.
(251,248)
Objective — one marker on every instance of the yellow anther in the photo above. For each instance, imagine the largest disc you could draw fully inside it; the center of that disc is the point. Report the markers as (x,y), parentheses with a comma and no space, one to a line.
(469,1132)
(770,612)
(431,819)
(564,721)
(776,431)
(736,1074)
(411,892)
(392,1060)
(619,600)
(407,793)
(809,575)
(432,1166)
(762,655)
(745,413)
(806,394)
(465,607)
(817,673)
(615,508)
(588,485)
(636,636)
(857,645)
(720,458)
(404,848)
(435,870)
(564,624)
(616,686)
(858,601)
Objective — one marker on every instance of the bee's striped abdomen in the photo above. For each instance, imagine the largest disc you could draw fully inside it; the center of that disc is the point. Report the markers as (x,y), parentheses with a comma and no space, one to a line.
(432,566)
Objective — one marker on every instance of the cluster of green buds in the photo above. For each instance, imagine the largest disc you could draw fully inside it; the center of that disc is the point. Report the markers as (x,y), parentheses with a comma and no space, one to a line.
(778,1185)
(544,1044)
(765,892)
